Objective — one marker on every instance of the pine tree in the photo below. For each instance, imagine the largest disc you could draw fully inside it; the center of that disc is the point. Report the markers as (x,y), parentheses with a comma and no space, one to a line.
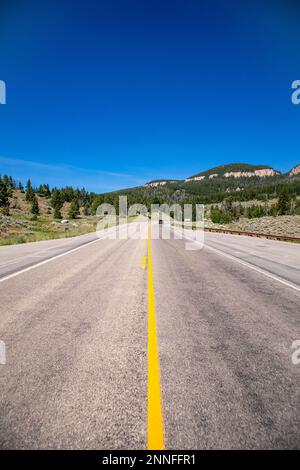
(74,209)
(56,203)
(21,187)
(7,180)
(35,210)
(283,204)
(12,183)
(4,197)
(44,190)
(29,192)
(47,190)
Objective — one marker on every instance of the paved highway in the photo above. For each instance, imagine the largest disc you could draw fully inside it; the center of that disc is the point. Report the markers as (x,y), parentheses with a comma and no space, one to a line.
(77,328)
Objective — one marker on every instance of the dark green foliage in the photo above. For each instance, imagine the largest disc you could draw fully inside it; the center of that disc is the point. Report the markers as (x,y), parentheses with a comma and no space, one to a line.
(273,211)
(9,184)
(44,190)
(218,216)
(212,191)
(296,207)
(4,196)
(227,194)
(284,203)
(74,209)
(35,210)
(256,211)
(57,203)
(227,212)
(29,192)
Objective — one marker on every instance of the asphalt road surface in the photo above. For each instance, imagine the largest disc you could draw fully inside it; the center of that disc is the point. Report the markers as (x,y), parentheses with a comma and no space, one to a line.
(76,333)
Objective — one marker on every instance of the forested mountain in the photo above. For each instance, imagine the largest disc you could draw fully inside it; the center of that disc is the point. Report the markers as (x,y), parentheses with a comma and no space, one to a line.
(238,181)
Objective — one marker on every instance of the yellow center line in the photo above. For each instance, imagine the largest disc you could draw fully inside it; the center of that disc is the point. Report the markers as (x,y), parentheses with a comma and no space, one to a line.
(144,262)
(155,421)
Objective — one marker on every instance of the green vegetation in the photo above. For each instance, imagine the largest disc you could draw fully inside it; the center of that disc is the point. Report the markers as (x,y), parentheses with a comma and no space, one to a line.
(284,203)
(4,196)
(34,205)
(38,236)
(44,190)
(57,203)
(37,213)
(30,194)
(228,211)
(222,169)
(74,209)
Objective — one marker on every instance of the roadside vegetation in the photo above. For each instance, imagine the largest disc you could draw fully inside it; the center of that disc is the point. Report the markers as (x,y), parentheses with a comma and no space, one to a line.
(228,210)
(29,213)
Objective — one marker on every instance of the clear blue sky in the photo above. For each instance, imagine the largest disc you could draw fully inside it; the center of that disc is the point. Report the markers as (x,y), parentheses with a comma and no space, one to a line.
(110,94)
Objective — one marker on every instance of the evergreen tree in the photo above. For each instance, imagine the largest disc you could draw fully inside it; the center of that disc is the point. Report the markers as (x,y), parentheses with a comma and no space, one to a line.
(56,203)
(4,197)
(47,190)
(7,180)
(29,191)
(284,203)
(21,187)
(35,210)
(12,183)
(44,190)
(74,209)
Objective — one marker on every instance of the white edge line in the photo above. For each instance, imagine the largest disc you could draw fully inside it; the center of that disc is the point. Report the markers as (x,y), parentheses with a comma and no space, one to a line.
(226,255)
(41,263)
(248,265)
(259,270)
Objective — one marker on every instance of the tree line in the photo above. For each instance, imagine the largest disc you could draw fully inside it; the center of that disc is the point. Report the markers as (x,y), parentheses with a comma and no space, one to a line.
(228,206)
(228,211)
(57,197)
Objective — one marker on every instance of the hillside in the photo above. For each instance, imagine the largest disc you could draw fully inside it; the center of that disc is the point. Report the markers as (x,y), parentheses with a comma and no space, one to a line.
(241,181)
(227,194)
(21,226)
(235,170)
(295,170)
(155,183)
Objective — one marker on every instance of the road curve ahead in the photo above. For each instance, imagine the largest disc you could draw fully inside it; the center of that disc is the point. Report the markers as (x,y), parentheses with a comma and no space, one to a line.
(194,353)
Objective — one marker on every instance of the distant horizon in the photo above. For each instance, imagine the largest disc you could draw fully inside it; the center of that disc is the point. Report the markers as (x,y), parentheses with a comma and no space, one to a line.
(8,165)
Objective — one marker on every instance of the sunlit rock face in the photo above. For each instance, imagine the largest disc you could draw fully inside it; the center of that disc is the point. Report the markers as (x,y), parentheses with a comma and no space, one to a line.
(195,178)
(295,170)
(248,174)
(154,184)
(239,174)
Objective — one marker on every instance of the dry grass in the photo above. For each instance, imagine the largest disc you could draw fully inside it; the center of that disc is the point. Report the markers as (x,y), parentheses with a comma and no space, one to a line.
(21,227)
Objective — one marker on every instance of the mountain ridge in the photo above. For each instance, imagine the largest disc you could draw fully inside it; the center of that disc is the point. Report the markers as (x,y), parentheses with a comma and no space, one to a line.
(231,170)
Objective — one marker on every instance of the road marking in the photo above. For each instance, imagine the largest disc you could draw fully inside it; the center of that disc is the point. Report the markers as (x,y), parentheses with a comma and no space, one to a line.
(41,263)
(144,262)
(255,268)
(155,422)
(249,265)
(72,250)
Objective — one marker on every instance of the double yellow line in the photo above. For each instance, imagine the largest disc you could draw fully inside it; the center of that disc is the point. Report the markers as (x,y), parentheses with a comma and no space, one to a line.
(155,421)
